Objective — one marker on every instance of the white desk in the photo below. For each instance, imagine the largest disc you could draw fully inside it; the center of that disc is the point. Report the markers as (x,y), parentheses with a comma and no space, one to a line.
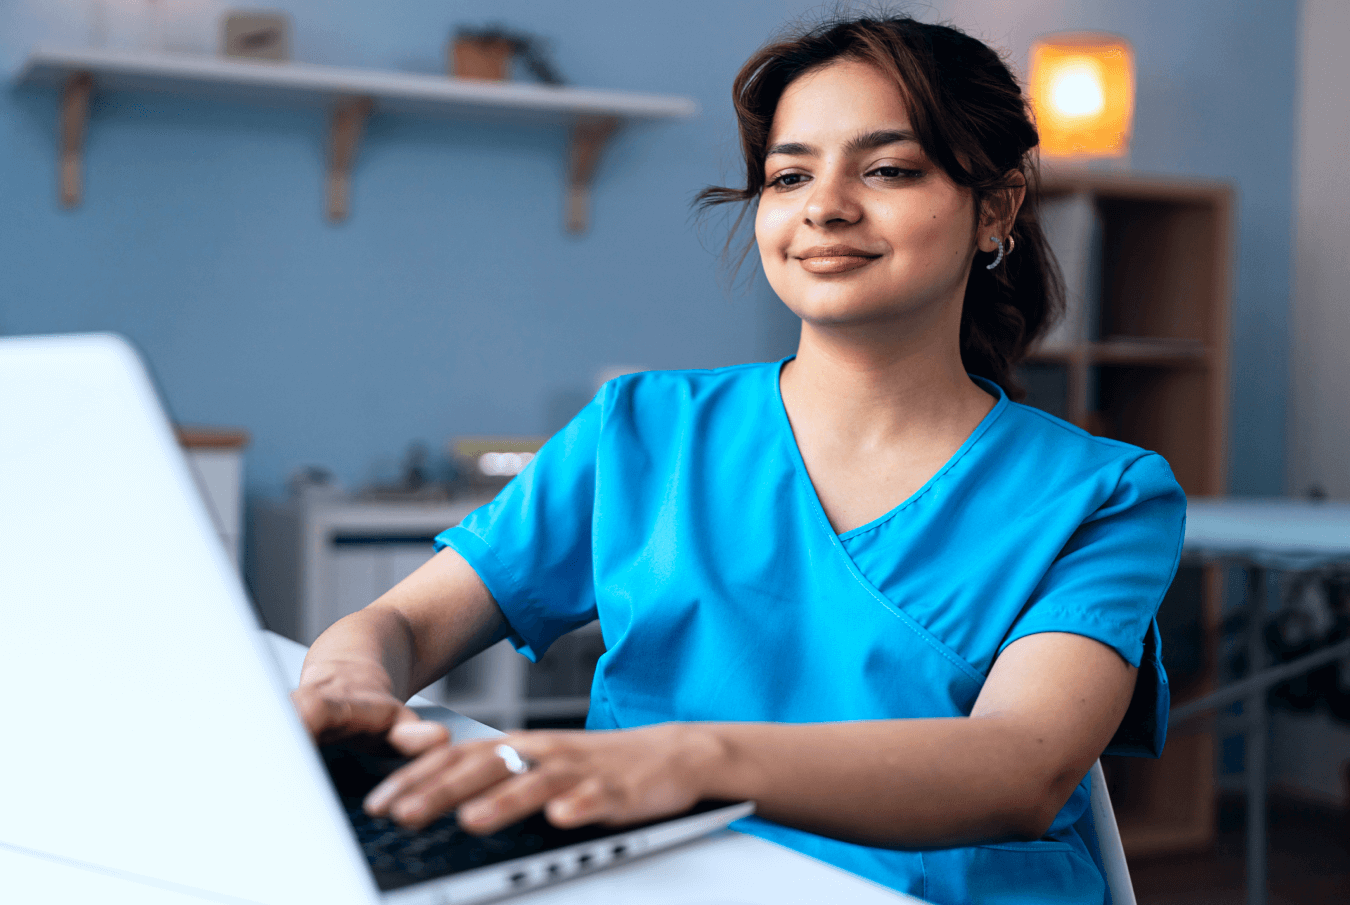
(727,868)
(1260,535)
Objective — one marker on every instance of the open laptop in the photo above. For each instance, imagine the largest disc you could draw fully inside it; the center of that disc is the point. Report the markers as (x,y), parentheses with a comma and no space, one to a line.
(148,729)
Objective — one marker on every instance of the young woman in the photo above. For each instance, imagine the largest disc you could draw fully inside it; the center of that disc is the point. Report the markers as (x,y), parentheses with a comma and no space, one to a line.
(862,587)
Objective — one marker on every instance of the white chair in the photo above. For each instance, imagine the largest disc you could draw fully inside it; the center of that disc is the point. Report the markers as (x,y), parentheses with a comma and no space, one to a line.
(1103,839)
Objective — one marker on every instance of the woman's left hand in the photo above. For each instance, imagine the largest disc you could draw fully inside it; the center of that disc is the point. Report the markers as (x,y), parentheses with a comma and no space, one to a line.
(576,778)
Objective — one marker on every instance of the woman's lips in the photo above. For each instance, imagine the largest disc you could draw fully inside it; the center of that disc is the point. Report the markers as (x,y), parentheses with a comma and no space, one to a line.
(834,259)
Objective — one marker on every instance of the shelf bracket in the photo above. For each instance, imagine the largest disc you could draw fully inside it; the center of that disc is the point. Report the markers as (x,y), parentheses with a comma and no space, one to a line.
(348,122)
(74,119)
(588,139)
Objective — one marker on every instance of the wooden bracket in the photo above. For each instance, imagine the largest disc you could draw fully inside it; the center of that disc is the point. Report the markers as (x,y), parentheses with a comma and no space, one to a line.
(349,120)
(588,139)
(74,118)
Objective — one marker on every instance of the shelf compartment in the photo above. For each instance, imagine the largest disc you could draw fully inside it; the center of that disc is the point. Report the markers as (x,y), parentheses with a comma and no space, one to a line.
(1158,259)
(1170,411)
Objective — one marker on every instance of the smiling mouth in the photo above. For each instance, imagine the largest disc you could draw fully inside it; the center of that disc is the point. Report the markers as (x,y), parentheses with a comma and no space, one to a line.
(834,259)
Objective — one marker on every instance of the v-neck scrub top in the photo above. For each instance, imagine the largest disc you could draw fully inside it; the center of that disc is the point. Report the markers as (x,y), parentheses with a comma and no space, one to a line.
(676,509)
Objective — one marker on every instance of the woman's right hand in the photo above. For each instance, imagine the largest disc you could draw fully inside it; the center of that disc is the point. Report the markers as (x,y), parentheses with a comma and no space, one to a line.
(338,699)
(359,672)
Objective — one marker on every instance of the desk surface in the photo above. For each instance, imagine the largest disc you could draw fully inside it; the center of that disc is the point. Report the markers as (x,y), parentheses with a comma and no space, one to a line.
(727,868)
(1275,533)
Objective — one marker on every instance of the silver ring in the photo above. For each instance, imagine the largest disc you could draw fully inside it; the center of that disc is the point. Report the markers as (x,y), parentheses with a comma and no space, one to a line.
(514,760)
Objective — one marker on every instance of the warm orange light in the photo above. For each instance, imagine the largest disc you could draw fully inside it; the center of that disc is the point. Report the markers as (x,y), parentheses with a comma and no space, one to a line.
(1082,90)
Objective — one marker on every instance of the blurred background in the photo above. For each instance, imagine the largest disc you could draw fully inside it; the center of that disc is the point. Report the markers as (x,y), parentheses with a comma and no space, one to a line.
(366,318)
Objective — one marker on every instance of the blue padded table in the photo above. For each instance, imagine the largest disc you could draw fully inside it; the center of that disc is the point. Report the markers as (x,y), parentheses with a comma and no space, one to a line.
(1261,535)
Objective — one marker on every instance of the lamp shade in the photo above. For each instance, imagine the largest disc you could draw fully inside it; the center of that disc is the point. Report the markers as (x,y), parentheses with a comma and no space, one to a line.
(1082,91)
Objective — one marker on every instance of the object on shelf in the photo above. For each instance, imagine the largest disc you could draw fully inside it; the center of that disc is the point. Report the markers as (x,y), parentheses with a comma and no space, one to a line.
(481,58)
(256,35)
(487,464)
(314,482)
(487,53)
(414,483)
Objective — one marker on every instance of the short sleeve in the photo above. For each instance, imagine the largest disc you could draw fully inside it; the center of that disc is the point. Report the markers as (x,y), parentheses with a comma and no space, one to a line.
(1107,584)
(531,545)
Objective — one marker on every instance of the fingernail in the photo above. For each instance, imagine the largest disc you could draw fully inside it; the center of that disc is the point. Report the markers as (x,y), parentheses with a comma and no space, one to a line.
(409,807)
(477,812)
(380,796)
(422,731)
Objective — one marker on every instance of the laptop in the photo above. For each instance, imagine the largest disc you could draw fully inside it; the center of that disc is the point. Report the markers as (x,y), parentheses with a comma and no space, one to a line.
(149,730)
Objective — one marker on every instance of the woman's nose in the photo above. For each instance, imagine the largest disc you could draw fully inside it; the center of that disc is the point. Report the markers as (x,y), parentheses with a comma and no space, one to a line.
(832,201)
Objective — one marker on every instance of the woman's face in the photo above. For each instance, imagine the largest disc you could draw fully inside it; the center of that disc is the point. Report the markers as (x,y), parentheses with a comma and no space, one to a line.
(855,225)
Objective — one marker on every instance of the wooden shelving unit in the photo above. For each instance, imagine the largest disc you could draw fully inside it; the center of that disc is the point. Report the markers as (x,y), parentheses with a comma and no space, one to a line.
(1146,361)
(351,95)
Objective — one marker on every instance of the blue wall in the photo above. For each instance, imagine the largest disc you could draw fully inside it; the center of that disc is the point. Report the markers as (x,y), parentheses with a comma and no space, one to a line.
(452,301)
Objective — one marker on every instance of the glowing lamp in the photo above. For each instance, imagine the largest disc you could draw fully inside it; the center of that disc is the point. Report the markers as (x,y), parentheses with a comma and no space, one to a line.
(1082,91)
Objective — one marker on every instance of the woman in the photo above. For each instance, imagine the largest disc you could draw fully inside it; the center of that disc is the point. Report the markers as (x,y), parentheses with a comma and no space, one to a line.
(862,587)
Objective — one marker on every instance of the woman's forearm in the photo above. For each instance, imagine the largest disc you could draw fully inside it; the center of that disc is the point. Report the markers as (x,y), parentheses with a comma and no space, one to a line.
(424,626)
(1048,708)
(896,783)
(374,645)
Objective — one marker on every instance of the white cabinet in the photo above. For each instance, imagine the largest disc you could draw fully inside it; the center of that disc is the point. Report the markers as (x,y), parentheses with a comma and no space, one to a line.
(318,560)
(216,459)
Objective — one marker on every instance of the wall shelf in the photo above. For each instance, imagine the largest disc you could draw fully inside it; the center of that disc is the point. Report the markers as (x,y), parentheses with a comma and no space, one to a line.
(351,95)
(1143,357)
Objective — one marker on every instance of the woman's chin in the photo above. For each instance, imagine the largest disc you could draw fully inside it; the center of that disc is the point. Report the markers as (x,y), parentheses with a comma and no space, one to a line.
(838,315)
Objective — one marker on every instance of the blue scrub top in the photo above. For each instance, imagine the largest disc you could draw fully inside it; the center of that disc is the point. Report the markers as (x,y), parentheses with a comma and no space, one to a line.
(676,509)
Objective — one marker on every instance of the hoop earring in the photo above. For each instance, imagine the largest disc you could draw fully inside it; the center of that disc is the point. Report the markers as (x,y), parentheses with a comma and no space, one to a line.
(1000,253)
(1011,245)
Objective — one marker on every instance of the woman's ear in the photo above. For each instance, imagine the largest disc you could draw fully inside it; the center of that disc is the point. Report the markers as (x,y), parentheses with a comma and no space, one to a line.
(1001,207)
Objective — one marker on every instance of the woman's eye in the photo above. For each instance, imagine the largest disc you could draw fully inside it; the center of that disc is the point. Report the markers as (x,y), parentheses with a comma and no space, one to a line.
(787,180)
(896,173)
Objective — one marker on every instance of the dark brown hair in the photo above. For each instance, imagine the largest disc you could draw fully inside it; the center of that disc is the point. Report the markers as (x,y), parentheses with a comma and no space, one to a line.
(971,120)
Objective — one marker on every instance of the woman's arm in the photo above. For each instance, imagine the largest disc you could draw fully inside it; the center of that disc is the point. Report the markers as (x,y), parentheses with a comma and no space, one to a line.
(359,672)
(1049,707)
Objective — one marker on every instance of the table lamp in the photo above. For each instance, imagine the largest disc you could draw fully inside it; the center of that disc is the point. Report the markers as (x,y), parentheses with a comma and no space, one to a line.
(1082,92)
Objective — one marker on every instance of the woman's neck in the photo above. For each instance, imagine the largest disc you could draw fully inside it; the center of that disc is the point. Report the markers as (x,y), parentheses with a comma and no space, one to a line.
(867,390)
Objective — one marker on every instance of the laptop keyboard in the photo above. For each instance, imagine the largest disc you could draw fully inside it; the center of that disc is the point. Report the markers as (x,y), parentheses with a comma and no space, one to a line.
(399,857)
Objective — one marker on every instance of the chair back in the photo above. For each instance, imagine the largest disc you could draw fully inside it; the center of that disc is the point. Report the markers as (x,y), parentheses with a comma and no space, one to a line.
(1099,832)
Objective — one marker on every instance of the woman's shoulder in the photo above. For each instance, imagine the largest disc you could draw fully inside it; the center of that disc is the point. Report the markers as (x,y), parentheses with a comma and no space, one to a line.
(692,385)
(1064,455)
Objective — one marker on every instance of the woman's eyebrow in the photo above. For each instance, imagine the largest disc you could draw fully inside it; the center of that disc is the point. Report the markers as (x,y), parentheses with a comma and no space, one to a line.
(870,141)
(792,149)
(867,141)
